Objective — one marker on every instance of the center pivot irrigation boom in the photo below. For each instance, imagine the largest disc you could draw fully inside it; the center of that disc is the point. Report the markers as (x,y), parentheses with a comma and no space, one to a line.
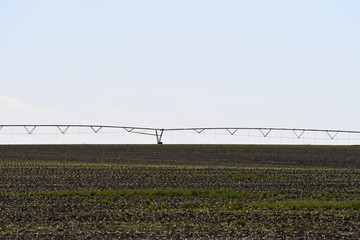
(159,132)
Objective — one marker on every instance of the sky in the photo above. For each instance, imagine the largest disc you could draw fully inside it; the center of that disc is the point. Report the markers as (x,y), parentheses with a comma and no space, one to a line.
(198,63)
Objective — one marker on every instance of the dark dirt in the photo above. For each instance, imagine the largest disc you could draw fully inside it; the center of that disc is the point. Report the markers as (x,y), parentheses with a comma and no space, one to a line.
(193,155)
(260,174)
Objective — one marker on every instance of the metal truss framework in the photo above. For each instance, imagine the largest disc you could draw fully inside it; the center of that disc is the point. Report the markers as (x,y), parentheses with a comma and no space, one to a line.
(158,132)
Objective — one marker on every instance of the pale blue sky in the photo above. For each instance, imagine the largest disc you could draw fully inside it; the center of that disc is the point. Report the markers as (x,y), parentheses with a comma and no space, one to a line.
(181,63)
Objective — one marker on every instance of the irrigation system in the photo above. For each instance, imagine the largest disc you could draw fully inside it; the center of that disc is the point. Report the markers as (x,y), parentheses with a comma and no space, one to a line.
(158,133)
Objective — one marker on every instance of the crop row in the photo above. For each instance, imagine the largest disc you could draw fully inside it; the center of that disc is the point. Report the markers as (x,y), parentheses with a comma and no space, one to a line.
(175,215)
(327,184)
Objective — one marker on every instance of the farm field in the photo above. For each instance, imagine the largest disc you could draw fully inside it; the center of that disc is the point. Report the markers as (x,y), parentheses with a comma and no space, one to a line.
(179,192)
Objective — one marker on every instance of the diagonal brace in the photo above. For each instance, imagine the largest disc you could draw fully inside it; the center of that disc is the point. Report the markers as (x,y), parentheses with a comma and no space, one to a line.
(299,135)
(129,129)
(31,130)
(198,130)
(232,132)
(159,134)
(332,136)
(63,131)
(96,130)
(265,134)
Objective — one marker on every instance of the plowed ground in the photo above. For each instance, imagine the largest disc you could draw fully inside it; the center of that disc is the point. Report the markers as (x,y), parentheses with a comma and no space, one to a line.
(179,191)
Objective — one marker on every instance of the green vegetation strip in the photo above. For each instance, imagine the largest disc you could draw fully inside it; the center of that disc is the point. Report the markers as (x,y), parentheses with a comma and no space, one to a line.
(138,192)
(233,176)
(312,204)
(292,204)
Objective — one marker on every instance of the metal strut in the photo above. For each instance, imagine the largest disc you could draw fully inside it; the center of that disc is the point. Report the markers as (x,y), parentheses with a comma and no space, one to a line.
(159,134)
(265,134)
(332,136)
(63,131)
(232,132)
(96,130)
(198,130)
(30,131)
(129,129)
(298,134)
